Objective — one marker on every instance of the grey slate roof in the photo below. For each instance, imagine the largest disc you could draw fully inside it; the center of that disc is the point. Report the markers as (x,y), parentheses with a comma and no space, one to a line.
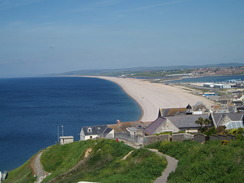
(96,130)
(154,125)
(217,117)
(181,121)
(187,121)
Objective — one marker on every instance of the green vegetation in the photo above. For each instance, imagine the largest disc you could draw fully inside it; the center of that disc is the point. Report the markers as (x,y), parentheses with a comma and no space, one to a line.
(204,122)
(23,174)
(158,73)
(210,162)
(222,131)
(58,159)
(104,164)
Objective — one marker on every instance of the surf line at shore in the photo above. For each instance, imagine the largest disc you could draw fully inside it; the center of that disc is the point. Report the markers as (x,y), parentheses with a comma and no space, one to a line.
(153,96)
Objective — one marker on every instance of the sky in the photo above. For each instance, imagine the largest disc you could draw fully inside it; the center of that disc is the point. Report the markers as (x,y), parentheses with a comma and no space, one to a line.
(55,36)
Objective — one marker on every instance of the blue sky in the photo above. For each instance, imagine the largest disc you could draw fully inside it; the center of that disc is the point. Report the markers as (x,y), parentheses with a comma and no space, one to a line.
(52,36)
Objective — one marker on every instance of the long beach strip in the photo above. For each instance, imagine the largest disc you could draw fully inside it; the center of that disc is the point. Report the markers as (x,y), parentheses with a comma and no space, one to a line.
(152,96)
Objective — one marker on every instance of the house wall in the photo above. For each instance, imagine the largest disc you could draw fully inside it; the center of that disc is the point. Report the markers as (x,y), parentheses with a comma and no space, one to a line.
(191,131)
(166,127)
(197,112)
(224,121)
(87,137)
(82,135)
(66,141)
(110,135)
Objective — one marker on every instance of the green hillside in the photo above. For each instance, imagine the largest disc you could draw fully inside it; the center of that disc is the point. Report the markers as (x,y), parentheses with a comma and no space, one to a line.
(211,162)
(105,163)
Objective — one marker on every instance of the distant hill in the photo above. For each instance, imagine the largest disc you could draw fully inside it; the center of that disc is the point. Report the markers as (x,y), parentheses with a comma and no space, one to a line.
(117,72)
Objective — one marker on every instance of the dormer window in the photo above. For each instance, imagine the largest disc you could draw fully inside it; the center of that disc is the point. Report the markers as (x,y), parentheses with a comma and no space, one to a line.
(89,130)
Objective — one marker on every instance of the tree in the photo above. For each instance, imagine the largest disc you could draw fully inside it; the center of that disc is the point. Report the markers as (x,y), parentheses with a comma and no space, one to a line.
(200,121)
(204,122)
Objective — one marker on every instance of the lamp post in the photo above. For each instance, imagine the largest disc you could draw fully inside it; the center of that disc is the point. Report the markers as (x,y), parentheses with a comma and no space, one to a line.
(58,134)
(62,130)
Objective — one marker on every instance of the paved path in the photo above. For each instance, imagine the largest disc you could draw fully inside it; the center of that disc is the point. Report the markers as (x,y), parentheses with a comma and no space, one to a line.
(171,163)
(171,166)
(38,168)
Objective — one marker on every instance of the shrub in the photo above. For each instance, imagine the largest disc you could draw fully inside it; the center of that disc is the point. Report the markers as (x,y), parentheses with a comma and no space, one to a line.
(209,162)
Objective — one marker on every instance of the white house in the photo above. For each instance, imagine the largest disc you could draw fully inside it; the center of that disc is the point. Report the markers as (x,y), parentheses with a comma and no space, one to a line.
(66,139)
(209,85)
(93,132)
(222,86)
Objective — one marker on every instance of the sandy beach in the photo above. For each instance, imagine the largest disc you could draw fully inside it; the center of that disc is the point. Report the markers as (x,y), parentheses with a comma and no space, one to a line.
(152,96)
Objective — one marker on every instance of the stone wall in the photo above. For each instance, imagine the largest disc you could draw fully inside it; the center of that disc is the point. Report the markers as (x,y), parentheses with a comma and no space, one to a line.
(155,138)
(142,140)
(222,137)
(146,140)
(200,138)
(181,137)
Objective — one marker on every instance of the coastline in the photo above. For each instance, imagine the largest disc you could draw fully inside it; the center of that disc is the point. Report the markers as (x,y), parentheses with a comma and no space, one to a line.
(152,96)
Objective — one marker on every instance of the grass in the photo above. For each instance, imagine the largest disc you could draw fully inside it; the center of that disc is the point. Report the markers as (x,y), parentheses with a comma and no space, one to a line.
(58,159)
(210,162)
(105,163)
(22,174)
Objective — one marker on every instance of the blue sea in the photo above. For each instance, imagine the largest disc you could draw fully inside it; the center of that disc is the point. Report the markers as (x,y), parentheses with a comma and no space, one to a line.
(32,111)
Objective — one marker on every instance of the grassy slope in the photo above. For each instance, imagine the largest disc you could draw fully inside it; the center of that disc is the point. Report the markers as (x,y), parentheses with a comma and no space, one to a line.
(105,163)
(210,162)
(22,174)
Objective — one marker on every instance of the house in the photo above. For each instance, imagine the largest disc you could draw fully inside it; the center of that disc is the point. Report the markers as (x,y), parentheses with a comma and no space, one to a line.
(240,109)
(129,127)
(237,103)
(209,85)
(93,132)
(176,123)
(222,86)
(164,112)
(130,131)
(199,108)
(66,139)
(229,120)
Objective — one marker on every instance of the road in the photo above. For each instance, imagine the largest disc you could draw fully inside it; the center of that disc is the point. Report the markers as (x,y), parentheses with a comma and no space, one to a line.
(171,163)
(38,168)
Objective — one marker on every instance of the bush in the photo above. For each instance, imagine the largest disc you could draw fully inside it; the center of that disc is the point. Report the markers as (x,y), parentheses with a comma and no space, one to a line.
(209,162)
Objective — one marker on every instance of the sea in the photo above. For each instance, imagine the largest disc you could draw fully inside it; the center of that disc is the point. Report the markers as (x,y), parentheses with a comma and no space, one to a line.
(35,111)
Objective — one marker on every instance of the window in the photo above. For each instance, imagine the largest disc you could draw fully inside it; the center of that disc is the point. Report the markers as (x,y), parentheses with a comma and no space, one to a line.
(235,124)
(89,130)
